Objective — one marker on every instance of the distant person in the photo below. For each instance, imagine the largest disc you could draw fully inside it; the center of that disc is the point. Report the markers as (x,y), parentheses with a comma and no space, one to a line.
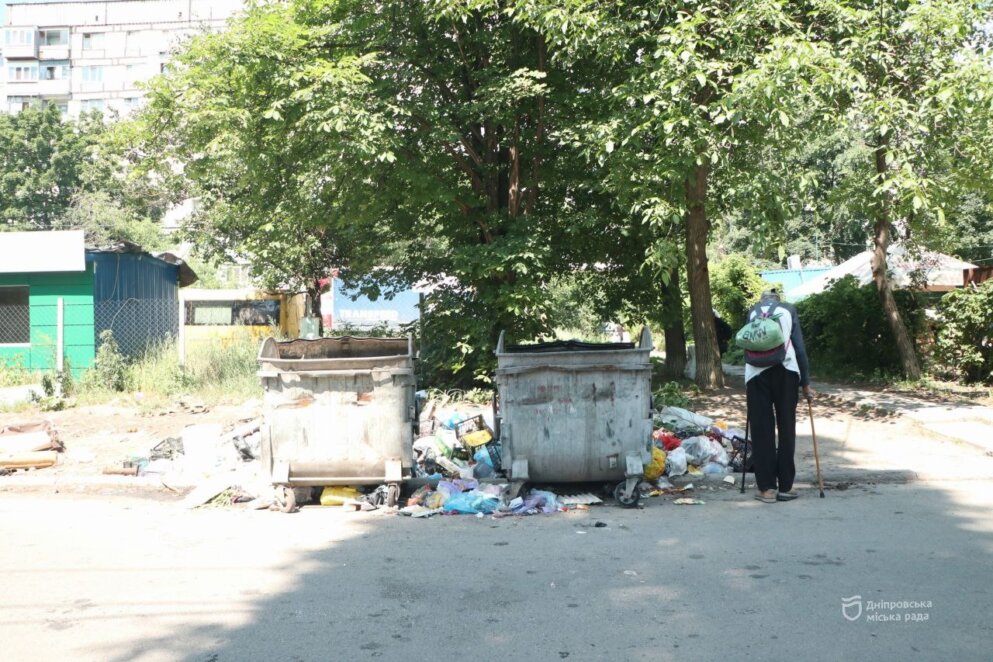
(773,394)
(724,333)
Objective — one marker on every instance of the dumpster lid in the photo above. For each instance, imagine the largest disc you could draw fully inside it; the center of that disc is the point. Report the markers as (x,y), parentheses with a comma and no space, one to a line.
(554,346)
(339,347)
(567,346)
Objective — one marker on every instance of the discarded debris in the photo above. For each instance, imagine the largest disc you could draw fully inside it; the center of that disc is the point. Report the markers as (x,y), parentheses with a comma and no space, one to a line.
(32,445)
(689,502)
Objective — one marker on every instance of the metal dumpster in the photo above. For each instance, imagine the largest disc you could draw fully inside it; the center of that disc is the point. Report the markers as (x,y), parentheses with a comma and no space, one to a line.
(337,411)
(576,412)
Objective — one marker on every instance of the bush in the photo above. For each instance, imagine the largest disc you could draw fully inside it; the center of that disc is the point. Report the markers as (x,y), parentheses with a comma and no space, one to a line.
(735,285)
(217,370)
(847,334)
(110,367)
(965,335)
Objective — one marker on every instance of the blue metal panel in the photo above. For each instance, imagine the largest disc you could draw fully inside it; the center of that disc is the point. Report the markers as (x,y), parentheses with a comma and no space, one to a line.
(136,296)
(790,278)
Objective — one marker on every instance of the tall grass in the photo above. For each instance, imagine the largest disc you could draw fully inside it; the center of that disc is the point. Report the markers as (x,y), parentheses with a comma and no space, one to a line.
(222,370)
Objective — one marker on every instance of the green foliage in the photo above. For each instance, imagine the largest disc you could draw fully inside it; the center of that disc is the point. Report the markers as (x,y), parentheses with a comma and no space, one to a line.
(110,367)
(13,373)
(735,286)
(220,370)
(671,394)
(42,165)
(104,222)
(965,334)
(846,333)
(402,143)
(381,330)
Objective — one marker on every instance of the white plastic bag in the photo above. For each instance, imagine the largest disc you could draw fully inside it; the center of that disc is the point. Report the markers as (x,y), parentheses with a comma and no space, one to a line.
(697,450)
(687,417)
(675,462)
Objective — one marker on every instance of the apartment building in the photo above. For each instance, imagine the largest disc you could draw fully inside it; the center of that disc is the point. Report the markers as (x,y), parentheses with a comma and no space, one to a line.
(92,55)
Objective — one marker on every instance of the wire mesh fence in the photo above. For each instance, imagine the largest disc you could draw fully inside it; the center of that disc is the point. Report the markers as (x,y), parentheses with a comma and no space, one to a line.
(137,323)
(15,325)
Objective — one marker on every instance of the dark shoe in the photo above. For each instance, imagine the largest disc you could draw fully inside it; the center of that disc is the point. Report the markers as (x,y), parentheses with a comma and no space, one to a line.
(786,496)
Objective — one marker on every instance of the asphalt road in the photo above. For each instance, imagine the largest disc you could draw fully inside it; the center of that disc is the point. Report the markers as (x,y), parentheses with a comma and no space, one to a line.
(111,578)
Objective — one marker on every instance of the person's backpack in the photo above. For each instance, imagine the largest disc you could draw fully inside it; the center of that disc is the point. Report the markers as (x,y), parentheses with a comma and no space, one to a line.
(762,338)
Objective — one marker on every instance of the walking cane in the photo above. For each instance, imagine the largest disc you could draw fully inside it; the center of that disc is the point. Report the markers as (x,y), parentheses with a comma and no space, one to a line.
(817,457)
(744,453)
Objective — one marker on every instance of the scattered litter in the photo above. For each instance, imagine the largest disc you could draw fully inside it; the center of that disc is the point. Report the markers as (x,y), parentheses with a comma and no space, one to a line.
(338,496)
(689,502)
(32,445)
(585,499)
(730,480)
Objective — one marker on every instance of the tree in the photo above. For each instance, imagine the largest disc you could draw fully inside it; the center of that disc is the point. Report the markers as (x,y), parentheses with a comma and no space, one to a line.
(105,222)
(916,88)
(711,86)
(415,139)
(42,161)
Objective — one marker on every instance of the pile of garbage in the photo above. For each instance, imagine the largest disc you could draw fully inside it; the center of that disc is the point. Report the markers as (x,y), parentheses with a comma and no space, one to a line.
(688,443)
(455,441)
(469,497)
(28,446)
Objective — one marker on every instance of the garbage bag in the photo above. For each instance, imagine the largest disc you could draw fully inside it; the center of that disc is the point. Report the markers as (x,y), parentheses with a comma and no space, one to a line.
(435,500)
(657,466)
(686,417)
(717,453)
(551,501)
(675,462)
(714,468)
(338,495)
(697,450)
(667,439)
(471,503)
(418,497)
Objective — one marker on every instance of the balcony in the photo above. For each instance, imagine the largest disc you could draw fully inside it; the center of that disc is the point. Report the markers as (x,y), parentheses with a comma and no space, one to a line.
(20,42)
(53,52)
(18,88)
(54,87)
(20,52)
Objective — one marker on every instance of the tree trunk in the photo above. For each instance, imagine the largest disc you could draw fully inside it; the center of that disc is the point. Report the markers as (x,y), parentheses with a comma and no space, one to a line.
(314,292)
(709,373)
(880,244)
(675,333)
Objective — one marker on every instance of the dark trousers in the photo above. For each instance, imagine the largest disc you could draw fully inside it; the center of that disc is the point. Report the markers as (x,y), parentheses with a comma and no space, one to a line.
(772,399)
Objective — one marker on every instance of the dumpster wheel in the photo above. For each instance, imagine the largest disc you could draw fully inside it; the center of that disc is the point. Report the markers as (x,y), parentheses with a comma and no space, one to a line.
(286,499)
(626,502)
(392,495)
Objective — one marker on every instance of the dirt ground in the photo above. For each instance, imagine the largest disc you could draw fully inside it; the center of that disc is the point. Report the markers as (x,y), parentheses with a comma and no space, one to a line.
(107,435)
(866,442)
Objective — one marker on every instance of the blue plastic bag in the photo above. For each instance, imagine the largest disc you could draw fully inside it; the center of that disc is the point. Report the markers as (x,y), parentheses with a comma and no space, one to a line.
(471,503)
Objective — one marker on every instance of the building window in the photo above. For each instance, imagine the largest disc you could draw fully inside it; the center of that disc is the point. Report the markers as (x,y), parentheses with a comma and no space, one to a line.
(17,104)
(15,316)
(55,71)
(92,41)
(22,72)
(93,73)
(18,37)
(88,105)
(53,37)
(258,312)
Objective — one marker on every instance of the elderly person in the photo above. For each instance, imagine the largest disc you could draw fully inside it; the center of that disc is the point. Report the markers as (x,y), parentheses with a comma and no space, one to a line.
(773,394)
